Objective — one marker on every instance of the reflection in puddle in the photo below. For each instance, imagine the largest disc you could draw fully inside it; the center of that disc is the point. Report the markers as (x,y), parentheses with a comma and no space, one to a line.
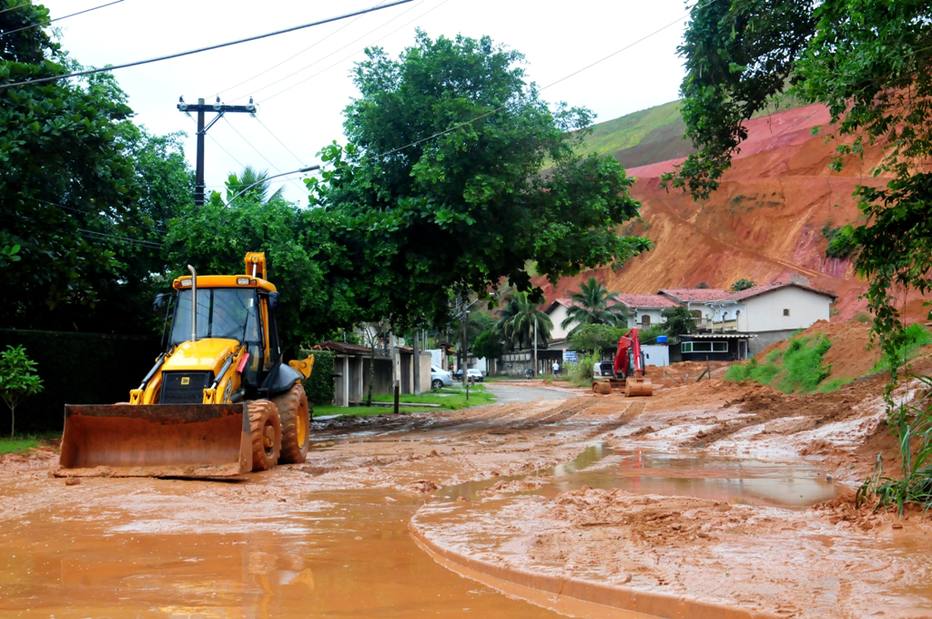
(682,474)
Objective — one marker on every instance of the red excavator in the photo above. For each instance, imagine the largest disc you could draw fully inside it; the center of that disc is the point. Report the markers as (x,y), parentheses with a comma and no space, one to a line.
(625,370)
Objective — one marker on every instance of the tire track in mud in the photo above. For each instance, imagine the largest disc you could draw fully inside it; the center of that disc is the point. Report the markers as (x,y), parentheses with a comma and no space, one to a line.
(632,410)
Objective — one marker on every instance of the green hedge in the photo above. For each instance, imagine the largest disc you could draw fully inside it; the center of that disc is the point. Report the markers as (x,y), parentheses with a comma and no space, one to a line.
(319,386)
(77,368)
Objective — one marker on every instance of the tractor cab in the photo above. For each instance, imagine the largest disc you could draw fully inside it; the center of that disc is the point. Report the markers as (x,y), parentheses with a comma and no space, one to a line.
(235,320)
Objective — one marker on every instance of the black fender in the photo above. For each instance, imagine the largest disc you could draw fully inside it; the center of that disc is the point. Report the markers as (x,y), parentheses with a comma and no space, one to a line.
(281,379)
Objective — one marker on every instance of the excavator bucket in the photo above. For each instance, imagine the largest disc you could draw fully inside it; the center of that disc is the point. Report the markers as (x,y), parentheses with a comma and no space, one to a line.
(638,386)
(155,440)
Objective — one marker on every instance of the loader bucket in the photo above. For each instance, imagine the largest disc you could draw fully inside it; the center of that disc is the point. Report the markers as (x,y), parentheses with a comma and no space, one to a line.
(157,440)
(635,386)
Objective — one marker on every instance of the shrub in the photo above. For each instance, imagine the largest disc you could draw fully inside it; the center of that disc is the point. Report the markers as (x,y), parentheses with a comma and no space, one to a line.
(581,373)
(841,241)
(803,369)
(797,368)
(319,386)
(742,284)
(18,379)
(915,336)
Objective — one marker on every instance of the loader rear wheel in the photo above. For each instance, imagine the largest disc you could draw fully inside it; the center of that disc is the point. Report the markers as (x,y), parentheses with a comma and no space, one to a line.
(265,429)
(296,424)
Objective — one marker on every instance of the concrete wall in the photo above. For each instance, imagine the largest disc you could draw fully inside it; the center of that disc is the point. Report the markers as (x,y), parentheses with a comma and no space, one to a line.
(765,339)
(656,354)
(766,312)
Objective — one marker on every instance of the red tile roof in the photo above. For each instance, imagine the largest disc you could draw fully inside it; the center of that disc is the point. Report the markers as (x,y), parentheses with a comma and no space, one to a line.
(758,290)
(650,301)
(697,295)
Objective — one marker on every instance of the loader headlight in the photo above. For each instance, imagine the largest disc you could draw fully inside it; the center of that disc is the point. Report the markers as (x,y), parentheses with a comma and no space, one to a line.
(186,282)
(243,281)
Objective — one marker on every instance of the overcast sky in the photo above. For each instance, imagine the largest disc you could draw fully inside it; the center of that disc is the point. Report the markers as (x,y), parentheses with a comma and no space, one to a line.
(301,81)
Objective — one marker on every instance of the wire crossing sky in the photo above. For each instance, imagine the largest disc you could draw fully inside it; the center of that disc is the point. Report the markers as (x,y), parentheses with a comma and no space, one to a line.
(302,80)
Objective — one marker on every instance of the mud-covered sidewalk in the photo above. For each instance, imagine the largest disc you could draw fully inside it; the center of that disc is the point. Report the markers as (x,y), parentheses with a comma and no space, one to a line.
(709,499)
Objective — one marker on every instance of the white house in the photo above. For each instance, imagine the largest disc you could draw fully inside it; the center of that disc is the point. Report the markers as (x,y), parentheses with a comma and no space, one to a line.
(708,305)
(557,310)
(776,310)
(644,310)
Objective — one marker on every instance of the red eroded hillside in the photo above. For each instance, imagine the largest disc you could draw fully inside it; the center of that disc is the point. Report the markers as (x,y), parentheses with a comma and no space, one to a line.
(764,223)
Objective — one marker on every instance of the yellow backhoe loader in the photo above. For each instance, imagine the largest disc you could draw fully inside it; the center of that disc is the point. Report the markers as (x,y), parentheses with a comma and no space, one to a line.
(218,402)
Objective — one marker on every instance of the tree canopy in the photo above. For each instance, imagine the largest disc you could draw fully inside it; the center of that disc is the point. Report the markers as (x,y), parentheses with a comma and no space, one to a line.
(444,179)
(90,190)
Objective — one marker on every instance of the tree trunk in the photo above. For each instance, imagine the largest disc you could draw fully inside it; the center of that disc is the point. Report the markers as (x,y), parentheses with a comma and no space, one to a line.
(12,420)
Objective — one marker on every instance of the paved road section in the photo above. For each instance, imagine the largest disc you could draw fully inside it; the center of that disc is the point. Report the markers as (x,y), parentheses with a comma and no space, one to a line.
(505,394)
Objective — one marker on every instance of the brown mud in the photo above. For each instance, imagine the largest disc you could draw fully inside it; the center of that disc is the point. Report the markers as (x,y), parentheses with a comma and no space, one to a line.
(709,499)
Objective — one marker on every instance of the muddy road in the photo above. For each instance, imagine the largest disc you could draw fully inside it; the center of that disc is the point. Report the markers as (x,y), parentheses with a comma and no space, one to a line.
(706,500)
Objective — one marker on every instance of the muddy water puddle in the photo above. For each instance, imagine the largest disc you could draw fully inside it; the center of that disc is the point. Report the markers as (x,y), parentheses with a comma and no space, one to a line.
(736,480)
(349,556)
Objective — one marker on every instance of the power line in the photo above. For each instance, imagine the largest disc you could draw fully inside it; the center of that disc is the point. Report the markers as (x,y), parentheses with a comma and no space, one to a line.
(333,53)
(125,239)
(620,49)
(37,24)
(495,110)
(306,49)
(283,145)
(344,58)
(13,8)
(251,145)
(52,78)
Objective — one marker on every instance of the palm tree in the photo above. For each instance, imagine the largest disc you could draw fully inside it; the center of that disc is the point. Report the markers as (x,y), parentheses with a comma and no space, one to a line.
(519,319)
(593,304)
(255,181)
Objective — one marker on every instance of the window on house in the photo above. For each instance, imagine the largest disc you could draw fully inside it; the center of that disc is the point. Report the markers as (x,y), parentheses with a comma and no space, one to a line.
(699,347)
(645,320)
(786,311)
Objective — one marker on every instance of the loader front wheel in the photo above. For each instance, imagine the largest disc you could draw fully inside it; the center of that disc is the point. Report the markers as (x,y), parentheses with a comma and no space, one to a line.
(266,432)
(296,424)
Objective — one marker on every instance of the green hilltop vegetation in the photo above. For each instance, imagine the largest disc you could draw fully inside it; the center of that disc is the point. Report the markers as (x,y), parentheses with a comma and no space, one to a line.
(655,134)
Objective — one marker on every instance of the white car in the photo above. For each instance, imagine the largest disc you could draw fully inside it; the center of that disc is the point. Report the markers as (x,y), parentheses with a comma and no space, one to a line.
(472,374)
(440,378)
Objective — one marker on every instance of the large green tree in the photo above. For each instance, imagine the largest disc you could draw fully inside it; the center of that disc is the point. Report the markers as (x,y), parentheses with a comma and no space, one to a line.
(86,191)
(444,179)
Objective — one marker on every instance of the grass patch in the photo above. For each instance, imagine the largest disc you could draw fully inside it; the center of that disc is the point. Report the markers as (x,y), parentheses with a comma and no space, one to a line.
(915,337)
(834,384)
(18,445)
(803,369)
(796,368)
(448,398)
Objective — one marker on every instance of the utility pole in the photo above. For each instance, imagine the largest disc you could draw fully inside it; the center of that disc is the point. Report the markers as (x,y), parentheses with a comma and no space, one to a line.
(535,346)
(200,107)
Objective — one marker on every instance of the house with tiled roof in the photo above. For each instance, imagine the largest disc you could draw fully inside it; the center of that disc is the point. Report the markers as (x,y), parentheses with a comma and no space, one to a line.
(708,305)
(766,314)
(775,311)
(644,310)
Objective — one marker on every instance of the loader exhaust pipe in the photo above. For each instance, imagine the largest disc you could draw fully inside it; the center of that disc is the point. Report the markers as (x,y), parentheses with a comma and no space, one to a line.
(193,303)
